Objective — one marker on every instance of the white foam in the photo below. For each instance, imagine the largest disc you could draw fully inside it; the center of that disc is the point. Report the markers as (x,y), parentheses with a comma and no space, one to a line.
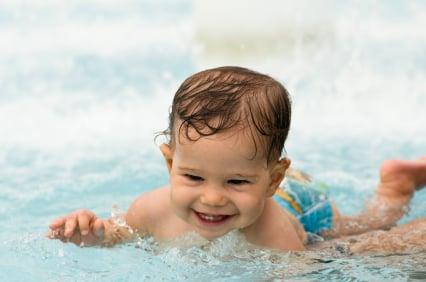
(353,69)
(362,75)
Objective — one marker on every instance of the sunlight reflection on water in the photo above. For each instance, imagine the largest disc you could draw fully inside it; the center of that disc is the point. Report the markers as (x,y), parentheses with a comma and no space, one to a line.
(84,87)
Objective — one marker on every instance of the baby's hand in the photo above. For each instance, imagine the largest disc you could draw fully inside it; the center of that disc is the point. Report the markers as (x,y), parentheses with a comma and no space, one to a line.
(81,227)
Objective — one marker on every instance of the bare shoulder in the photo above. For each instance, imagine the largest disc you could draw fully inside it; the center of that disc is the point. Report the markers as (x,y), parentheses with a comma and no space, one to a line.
(146,209)
(276,229)
(288,233)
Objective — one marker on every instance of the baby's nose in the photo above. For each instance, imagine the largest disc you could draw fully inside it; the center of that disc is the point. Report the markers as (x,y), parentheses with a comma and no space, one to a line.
(212,197)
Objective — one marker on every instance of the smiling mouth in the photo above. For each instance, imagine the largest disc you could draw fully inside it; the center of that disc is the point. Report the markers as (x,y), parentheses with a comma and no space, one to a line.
(212,219)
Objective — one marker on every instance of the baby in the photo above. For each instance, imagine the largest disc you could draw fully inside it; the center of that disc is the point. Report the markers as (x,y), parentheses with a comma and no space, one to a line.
(226,132)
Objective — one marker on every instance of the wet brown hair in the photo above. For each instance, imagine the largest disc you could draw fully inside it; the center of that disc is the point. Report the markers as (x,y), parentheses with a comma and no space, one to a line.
(215,100)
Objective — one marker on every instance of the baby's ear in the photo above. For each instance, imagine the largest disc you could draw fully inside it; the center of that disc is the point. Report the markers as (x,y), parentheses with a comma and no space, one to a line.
(167,152)
(277,175)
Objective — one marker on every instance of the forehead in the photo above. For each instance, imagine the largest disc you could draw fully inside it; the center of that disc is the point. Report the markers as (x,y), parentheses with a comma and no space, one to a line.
(235,144)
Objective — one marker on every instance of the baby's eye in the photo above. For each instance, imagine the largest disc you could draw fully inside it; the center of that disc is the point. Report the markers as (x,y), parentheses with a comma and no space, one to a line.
(193,177)
(238,181)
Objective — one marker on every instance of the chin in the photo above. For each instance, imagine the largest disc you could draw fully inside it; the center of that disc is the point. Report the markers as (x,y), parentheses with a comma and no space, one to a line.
(211,235)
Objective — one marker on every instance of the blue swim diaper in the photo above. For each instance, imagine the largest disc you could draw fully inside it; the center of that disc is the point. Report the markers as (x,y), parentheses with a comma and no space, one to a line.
(308,203)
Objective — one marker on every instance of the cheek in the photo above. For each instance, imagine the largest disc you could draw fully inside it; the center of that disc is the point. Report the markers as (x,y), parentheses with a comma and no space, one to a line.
(180,194)
(179,202)
(250,204)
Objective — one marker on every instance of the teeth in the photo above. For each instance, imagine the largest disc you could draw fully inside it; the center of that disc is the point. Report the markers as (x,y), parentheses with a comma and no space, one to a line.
(210,217)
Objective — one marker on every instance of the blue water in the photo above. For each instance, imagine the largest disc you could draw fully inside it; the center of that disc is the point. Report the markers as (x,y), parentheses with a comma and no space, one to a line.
(84,87)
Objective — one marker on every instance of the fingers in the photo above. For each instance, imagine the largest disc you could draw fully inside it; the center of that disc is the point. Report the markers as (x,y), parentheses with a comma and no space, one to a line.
(84,223)
(79,220)
(57,223)
(55,233)
(70,226)
(98,228)
(79,227)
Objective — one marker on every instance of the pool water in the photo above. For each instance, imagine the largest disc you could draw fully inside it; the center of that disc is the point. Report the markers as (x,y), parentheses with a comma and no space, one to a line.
(84,87)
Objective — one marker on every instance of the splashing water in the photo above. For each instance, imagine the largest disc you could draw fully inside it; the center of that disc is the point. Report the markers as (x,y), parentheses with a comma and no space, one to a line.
(84,87)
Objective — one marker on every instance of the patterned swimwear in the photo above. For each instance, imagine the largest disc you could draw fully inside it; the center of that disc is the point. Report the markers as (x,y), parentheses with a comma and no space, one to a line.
(307,203)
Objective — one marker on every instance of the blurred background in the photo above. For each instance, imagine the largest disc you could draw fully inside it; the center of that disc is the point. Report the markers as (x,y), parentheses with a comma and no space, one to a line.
(85,85)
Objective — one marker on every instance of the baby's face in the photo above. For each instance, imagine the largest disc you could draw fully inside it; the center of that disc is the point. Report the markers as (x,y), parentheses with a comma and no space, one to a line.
(216,185)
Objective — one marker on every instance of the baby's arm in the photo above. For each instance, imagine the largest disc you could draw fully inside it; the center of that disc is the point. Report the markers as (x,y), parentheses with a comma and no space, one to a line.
(399,180)
(83,227)
(409,237)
